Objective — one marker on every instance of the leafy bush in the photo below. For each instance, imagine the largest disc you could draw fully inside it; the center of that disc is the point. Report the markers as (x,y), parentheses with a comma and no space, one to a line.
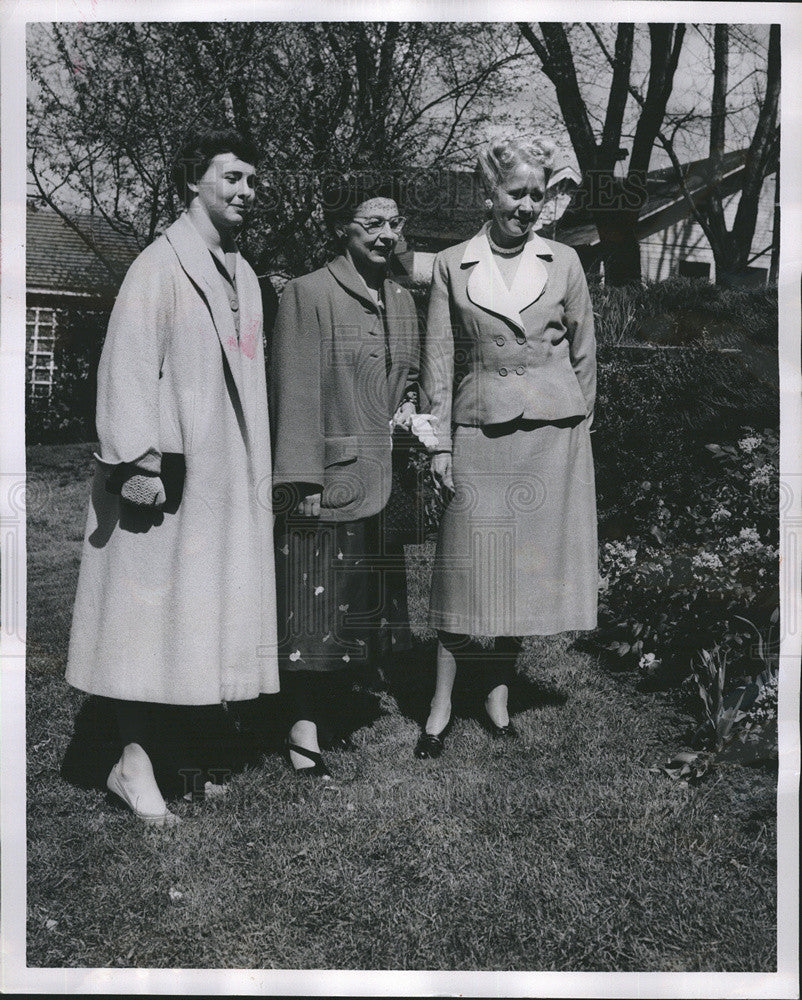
(654,410)
(700,552)
(685,311)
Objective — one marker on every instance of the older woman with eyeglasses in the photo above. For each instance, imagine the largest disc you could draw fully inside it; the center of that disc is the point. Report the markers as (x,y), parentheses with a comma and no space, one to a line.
(343,371)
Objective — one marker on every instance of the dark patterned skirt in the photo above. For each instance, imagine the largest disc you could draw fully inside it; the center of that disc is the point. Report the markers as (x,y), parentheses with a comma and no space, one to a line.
(341,593)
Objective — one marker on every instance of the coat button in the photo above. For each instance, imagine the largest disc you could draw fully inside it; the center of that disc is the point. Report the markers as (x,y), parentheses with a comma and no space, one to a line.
(520,340)
(520,369)
(234,305)
(502,371)
(500,341)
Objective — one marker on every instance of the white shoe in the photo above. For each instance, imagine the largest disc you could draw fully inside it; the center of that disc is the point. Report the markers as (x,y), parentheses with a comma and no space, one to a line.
(117,786)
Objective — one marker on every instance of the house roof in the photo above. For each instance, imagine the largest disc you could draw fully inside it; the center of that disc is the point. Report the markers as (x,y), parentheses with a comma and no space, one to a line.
(60,261)
(665,202)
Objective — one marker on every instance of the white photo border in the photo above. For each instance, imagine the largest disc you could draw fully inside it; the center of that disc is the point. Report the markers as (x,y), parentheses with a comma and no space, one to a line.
(15,976)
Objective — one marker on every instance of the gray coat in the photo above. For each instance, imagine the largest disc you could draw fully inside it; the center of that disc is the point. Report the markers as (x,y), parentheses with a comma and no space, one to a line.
(331,398)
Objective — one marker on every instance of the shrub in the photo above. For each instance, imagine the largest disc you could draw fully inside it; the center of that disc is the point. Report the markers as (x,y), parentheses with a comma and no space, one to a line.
(699,554)
(685,311)
(654,410)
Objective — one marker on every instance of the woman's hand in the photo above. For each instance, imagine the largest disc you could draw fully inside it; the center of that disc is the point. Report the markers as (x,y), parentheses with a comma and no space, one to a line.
(310,505)
(441,470)
(403,416)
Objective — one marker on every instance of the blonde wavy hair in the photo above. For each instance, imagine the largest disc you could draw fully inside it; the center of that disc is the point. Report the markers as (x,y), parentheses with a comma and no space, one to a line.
(501,156)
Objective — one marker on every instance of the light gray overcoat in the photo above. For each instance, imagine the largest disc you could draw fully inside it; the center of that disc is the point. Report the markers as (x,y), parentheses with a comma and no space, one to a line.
(178,607)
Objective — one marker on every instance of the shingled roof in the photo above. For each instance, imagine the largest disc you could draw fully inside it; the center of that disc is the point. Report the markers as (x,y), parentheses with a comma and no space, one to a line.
(665,203)
(59,260)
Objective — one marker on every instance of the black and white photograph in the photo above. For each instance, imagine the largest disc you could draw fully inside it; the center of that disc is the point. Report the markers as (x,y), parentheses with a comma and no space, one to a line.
(401,498)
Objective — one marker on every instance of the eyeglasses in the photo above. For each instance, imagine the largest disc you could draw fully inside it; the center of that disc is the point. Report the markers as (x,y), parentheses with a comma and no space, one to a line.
(376,225)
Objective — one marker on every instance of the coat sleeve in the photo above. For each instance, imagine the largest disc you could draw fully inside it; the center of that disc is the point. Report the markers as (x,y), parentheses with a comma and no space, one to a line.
(295,390)
(581,332)
(437,367)
(412,383)
(127,413)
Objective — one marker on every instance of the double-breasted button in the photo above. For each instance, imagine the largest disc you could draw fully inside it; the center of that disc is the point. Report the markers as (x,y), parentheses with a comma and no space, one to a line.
(234,305)
(500,341)
(502,371)
(520,339)
(520,370)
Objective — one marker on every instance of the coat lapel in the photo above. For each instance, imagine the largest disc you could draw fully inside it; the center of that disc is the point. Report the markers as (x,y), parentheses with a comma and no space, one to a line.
(486,287)
(398,325)
(195,259)
(347,275)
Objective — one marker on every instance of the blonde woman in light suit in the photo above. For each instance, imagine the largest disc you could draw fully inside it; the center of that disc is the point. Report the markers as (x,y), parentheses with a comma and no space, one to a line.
(517,550)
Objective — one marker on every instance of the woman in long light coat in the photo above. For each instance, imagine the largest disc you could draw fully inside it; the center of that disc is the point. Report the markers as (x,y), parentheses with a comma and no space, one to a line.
(516,551)
(176,592)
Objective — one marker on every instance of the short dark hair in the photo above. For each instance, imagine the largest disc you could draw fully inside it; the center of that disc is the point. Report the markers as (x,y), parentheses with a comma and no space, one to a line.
(199,148)
(343,193)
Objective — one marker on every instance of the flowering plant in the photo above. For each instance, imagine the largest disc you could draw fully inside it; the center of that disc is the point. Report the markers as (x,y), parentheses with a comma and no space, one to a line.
(701,549)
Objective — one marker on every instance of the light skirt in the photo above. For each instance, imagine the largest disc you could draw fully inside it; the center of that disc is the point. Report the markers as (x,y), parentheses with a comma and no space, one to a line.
(517,550)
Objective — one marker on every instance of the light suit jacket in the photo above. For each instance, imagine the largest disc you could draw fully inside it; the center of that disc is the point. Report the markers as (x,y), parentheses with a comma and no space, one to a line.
(331,398)
(528,351)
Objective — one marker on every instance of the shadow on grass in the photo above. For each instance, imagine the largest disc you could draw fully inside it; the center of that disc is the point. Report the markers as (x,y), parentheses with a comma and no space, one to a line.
(410,680)
(191,744)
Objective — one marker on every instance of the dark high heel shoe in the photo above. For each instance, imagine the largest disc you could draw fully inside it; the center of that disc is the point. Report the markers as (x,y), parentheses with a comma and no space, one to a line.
(508,732)
(318,769)
(431,745)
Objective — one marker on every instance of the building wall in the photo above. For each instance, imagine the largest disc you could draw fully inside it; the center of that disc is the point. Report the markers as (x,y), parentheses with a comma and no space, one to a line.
(683,248)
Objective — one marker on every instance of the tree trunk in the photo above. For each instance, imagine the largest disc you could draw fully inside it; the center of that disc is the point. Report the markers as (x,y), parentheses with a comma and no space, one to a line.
(774,266)
(615,207)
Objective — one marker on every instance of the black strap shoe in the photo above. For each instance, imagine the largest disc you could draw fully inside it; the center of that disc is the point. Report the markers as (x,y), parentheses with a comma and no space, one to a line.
(431,745)
(508,732)
(318,769)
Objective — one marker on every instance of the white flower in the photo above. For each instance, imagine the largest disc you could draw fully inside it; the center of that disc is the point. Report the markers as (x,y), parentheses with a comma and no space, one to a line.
(294,657)
(749,535)
(748,444)
(422,426)
(648,661)
(720,514)
(761,476)
(706,561)
(319,591)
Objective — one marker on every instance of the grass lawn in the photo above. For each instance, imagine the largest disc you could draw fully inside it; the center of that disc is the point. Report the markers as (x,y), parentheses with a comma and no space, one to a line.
(559,852)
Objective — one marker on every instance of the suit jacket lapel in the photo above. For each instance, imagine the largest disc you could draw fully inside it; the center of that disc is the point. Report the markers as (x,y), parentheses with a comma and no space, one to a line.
(532,274)
(486,287)
(195,258)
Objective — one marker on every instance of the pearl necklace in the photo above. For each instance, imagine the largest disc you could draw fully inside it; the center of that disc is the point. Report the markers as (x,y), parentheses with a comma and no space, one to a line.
(505,251)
